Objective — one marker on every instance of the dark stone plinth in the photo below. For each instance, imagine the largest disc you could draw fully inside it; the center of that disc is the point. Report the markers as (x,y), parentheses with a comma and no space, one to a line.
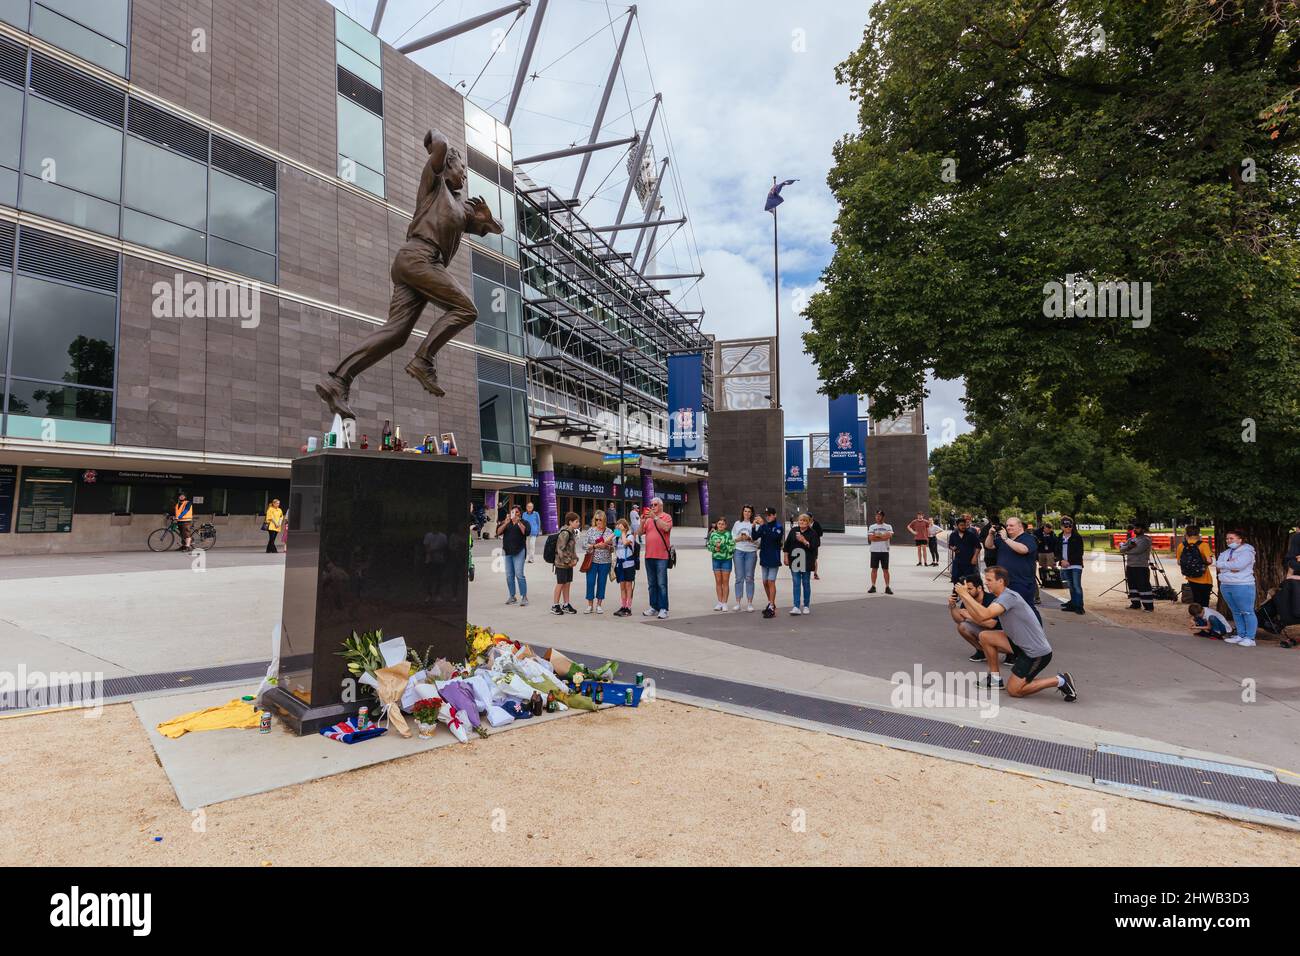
(898,480)
(377,540)
(746,461)
(826,498)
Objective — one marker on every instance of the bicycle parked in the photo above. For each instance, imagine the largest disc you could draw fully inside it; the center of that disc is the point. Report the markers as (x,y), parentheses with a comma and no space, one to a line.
(167,537)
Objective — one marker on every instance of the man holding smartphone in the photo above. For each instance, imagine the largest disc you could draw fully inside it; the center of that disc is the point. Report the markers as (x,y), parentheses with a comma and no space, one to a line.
(656,533)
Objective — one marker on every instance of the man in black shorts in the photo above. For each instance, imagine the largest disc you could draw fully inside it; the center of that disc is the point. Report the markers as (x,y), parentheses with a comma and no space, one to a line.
(878,537)
(1021,636)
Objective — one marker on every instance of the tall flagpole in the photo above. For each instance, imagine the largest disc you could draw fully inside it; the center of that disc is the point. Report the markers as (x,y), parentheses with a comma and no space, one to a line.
(776,290)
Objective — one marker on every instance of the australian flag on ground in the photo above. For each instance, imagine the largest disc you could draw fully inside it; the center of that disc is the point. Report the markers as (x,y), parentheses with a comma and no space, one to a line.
(774,195)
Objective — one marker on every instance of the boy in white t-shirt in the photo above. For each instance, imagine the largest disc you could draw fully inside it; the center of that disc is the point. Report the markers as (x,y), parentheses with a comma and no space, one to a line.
(1207,622)
(879,534)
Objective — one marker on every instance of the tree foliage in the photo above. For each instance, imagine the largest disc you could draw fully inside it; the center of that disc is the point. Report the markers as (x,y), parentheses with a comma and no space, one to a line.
(1107,139)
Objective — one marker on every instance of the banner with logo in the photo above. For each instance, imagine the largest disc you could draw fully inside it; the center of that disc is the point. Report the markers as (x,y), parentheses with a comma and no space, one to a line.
(794,473)
(685,404)
(845,439)
(860,480)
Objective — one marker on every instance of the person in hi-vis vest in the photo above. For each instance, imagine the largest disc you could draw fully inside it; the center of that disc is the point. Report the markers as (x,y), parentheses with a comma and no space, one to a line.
(184,515)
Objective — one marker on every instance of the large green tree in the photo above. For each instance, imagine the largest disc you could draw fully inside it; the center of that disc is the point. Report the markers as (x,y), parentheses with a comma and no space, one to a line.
(1006,145)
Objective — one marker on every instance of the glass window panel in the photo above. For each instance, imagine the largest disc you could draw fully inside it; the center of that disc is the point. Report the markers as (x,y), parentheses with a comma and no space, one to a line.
(350,171)
(15,12)
(494,413)
(519,400)
(489,337)
(73,37)
(165,184)
(499,453)
(86,155)
(109,17)
(503,135)
(349,59)
(242,212)
(11,124)
(236,258)
(490,299)
(361,135)
(70,206)
(67,429)
(480,141)
(6,283)
(41,400)
(514,313)
(357,37)
(482,121)
(164,236)
(63,333)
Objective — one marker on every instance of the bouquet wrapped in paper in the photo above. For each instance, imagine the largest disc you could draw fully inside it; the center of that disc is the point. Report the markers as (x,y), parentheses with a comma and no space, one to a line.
(453,718)
(391,685)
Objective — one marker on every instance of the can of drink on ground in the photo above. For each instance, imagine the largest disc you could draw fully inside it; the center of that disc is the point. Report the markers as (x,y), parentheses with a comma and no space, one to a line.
(363,718)
(628,696)
(264,724)
(639,678)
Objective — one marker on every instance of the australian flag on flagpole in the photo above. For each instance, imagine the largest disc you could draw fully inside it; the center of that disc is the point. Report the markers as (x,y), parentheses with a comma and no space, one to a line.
(774,195)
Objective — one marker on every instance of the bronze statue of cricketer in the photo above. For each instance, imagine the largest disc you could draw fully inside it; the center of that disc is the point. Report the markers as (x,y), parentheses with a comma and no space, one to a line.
(420,276)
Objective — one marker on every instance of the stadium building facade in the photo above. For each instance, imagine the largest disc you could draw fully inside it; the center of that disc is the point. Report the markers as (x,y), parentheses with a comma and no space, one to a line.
(199,204)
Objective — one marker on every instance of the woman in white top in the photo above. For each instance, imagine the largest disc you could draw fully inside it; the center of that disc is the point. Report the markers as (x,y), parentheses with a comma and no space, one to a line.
(1236,568)
(746,557)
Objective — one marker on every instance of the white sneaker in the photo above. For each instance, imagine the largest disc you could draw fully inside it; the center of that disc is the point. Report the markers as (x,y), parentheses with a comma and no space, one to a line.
(523,602)
(599,609)
(649,612)
(736,607)
(750,609)
(794,612)
(663,615)
(1235,639)
(806,610)
(587,609)
(1245,642)
(719,606)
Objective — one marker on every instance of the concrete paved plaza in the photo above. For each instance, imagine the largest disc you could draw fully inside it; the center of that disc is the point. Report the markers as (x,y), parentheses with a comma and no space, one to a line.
(141,613)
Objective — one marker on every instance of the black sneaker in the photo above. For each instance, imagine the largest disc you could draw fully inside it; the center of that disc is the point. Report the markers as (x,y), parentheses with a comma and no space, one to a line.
(769,612)
(1134,606)
(570,609)
(556,609)
(888,589)
(995,680)
(872,589)
(977,657)
(1068,688)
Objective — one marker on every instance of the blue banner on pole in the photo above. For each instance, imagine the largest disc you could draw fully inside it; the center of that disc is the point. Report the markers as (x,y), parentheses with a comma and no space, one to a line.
(845,438)
(794,476)
(685,404)
(860,480)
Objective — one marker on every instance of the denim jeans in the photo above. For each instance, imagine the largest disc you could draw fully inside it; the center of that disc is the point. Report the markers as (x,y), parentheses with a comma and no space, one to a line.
(1074,581)
(745,562)
(802,581)
(656,573)
(597,577)
(1241,602)
(515,572)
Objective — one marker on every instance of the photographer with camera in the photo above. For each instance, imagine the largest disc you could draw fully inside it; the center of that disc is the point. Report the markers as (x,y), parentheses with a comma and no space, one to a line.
(1021,637)
(1016,550)
(1137,569)
(968,629)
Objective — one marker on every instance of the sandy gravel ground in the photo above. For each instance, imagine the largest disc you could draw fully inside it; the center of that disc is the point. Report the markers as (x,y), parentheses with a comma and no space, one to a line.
(664,784)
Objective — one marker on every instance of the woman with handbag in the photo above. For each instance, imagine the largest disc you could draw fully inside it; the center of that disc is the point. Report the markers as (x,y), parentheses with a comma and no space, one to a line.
(596,562)
(273,524)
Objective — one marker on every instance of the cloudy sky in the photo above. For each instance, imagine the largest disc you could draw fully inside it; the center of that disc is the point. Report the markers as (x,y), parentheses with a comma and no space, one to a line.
(748,93)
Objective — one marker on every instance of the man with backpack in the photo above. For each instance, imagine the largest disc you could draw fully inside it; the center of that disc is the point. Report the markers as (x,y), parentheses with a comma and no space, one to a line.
(561,552)
(1195,561)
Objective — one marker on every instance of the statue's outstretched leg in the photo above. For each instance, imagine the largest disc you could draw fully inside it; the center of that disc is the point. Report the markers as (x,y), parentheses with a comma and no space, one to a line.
(434,281)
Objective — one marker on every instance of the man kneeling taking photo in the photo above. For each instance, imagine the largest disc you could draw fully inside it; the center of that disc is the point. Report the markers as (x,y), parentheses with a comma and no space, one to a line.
(1021,637)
